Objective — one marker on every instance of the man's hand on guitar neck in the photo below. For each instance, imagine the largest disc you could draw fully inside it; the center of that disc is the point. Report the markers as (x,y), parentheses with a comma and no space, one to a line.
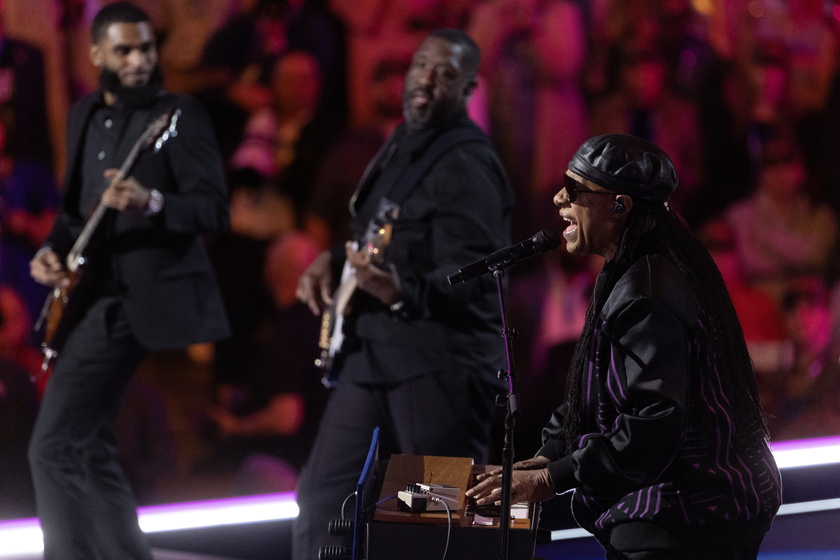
(125,194)
(46,268)
(383,284)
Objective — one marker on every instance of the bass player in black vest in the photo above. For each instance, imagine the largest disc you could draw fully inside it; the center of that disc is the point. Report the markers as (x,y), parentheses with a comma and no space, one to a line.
(146,275)
(419,357)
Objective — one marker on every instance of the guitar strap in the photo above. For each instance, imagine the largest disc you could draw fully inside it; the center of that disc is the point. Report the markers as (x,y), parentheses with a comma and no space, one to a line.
(412,175)
(136,123)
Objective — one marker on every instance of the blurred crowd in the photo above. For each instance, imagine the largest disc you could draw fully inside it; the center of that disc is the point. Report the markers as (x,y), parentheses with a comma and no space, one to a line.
(743,95)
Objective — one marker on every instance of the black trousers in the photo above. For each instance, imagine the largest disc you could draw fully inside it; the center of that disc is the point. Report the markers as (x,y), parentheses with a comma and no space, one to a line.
(445,414)
(648,541)
(85,504)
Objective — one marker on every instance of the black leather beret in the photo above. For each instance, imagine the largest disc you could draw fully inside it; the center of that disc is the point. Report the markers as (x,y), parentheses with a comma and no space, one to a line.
(628,165)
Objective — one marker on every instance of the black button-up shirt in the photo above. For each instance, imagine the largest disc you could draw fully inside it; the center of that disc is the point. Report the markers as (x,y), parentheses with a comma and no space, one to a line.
(106,125)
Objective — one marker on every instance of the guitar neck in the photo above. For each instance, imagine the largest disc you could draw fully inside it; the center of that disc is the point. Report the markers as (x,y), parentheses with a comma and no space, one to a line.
(76,255)
(345,291)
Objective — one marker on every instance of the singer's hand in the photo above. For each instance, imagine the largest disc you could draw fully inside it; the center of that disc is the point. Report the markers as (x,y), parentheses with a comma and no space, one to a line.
(384,285)
(530,482)
(315,284)
(538,462)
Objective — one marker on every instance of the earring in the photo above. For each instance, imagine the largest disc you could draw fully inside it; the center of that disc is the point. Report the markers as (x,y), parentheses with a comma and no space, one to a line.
(618,207)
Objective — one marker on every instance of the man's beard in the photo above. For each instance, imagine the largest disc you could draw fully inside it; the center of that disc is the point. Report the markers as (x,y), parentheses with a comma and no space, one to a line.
(134,96)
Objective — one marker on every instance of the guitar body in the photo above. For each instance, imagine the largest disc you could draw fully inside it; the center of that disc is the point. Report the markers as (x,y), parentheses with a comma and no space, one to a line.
(62,311)
(331,336)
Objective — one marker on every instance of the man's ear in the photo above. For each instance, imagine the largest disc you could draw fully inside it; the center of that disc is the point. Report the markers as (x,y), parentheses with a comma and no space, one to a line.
(622,204)
(470,88)
(95,55)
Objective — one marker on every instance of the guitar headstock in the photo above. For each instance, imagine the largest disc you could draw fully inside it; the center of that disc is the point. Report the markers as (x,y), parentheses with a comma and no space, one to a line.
(161,129)
(378,239)
(378,234)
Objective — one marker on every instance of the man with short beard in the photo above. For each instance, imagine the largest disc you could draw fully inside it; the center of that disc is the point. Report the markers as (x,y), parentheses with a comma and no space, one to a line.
(148,274)
(420,356)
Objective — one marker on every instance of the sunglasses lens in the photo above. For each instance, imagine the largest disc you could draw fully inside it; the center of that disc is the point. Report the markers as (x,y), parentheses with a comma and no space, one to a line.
(571,188)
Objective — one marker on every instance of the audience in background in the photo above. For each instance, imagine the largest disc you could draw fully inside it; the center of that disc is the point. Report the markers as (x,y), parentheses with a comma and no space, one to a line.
(266,419)
(286,140)
(186,32)
(29,198)
(326,217)
(644,103)
(375,29)
(258,213)
(760,315)
(238,60)
(808,398)
(537,111)
(23,102)
(781,230)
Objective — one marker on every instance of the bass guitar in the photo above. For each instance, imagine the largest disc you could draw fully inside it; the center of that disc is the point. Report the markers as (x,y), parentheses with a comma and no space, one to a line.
(67,301)
(331,335)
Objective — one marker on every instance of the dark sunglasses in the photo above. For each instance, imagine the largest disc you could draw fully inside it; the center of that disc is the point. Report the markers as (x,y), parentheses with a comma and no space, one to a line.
(574,187)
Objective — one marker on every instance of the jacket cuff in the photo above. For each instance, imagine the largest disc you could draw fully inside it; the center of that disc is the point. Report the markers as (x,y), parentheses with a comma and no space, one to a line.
(553,449)
(407,307)
(562,473)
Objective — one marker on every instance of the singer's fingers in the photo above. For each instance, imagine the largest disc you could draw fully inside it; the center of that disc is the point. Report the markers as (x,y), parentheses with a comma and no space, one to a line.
(538,462)
(486,492)
(485,476)
(527,485)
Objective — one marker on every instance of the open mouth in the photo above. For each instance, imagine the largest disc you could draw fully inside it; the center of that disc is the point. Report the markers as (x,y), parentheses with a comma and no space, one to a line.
(419,98)
(571,229)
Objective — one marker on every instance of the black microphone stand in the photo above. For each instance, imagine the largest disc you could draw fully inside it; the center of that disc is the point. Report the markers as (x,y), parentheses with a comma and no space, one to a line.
(512,407)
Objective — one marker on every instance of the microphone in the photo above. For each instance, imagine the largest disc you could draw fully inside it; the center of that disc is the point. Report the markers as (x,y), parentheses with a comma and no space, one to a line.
(542,242)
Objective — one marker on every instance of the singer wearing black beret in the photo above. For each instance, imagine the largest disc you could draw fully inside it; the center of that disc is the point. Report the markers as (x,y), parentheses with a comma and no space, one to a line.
(661,434)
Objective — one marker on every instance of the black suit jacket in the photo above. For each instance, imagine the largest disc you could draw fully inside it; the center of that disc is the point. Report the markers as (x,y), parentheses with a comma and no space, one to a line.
(159,264)
(458,212)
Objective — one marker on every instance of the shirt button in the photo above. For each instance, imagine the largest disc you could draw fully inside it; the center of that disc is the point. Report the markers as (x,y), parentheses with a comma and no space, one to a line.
(109,123)
(100,156)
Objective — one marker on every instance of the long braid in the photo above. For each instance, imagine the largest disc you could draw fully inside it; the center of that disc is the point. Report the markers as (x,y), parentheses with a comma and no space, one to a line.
(726,349)
(572,418)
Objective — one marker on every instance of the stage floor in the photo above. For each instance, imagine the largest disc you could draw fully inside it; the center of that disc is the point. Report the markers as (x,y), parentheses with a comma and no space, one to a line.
(156,553)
